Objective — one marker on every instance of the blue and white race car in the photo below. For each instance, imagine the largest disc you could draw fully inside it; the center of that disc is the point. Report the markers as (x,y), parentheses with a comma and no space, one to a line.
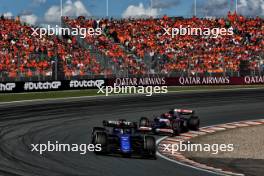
(122,137)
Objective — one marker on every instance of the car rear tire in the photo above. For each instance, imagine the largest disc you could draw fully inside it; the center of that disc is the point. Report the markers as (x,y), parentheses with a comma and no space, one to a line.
(150,146)
(194,123)
(101,139)
(176,127)
(144,122)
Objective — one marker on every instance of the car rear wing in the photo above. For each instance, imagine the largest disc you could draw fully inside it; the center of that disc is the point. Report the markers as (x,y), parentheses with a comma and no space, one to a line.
(184,111)
(121,124)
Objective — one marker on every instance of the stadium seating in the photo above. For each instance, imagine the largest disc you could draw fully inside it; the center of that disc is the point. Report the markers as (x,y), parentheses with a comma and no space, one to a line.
(194,55)
(133,46)
(24,56)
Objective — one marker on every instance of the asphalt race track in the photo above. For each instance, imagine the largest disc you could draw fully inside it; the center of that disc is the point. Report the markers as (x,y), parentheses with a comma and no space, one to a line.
(71,121)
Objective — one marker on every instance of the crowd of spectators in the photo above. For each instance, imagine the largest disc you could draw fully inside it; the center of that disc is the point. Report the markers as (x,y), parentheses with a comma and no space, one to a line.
(126,43)
(16,47)
(191,54)
(23,55)
(109,47)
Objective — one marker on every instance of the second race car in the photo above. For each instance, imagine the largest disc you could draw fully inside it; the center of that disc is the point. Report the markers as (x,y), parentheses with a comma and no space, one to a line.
(173,122)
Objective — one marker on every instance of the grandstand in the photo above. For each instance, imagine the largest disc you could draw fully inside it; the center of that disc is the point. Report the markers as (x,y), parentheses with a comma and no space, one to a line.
(129,47)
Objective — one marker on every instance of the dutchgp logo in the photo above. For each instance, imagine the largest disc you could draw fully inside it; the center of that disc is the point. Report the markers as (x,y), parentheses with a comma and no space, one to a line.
(42,86)
(7,86)
(86,83)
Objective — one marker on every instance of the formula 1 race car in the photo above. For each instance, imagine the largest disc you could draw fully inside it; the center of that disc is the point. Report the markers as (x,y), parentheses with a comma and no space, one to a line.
(173,122)
(123,138)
